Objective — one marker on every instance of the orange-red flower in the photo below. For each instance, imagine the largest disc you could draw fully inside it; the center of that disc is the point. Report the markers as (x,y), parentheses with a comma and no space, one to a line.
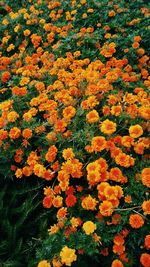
(146,177)
(27,133)
(5,76)
(51,154)
(136,221)
(147,241)
(71,200)
(145,260)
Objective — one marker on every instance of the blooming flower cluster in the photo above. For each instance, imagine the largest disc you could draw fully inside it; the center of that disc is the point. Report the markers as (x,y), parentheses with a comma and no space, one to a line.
(75,112)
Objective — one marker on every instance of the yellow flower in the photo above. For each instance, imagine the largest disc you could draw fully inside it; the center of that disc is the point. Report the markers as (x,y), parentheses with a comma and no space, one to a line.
(5,22)
(108,127)
(135,131)
(53,229)
(68,256)
(74,222)
(68,153)
(12,116)
(89,227)
(44,263)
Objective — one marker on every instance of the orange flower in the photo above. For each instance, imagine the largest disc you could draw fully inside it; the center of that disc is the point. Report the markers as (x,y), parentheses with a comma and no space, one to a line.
(27,133)
(68,113)
(89,203)
(135,45)
(110,192)
(51,154)
(57,202)
(115,174)
(147,241)
(5,76)
(146,207)
(92,116)
(135,131)
(118,240)
(3,134)
(128,199)
(136,221)
(60,126)
(98,143)
(108,127)
(111,13)
(14,133)
(117,263)
(27,171)
(106,208)
(146,177)
(145,259)
(61,213)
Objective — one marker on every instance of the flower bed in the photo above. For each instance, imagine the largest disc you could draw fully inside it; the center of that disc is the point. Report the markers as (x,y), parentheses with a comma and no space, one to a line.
(74,112)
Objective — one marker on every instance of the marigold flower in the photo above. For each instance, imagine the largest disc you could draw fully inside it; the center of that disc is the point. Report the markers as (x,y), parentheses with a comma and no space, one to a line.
(61,213)
(71,200)
(110,192)
(92,116)
(51,154)
(18,173)
(136,221)
(106,208)
(56,262)
(12,116)
(68,256)
(27,32)
(147,241)
(57,201)
(3,134)
(117,263)
(75,222)
(47,202)
(146,207)
(89,227)
(108,127)
(44,263)
(89,203)
(135,131)
(14,133)
(27,133)
(68,154)
(146,177)
(98,143)
(5,76)
(60,126)
(53,229)
(145,259)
